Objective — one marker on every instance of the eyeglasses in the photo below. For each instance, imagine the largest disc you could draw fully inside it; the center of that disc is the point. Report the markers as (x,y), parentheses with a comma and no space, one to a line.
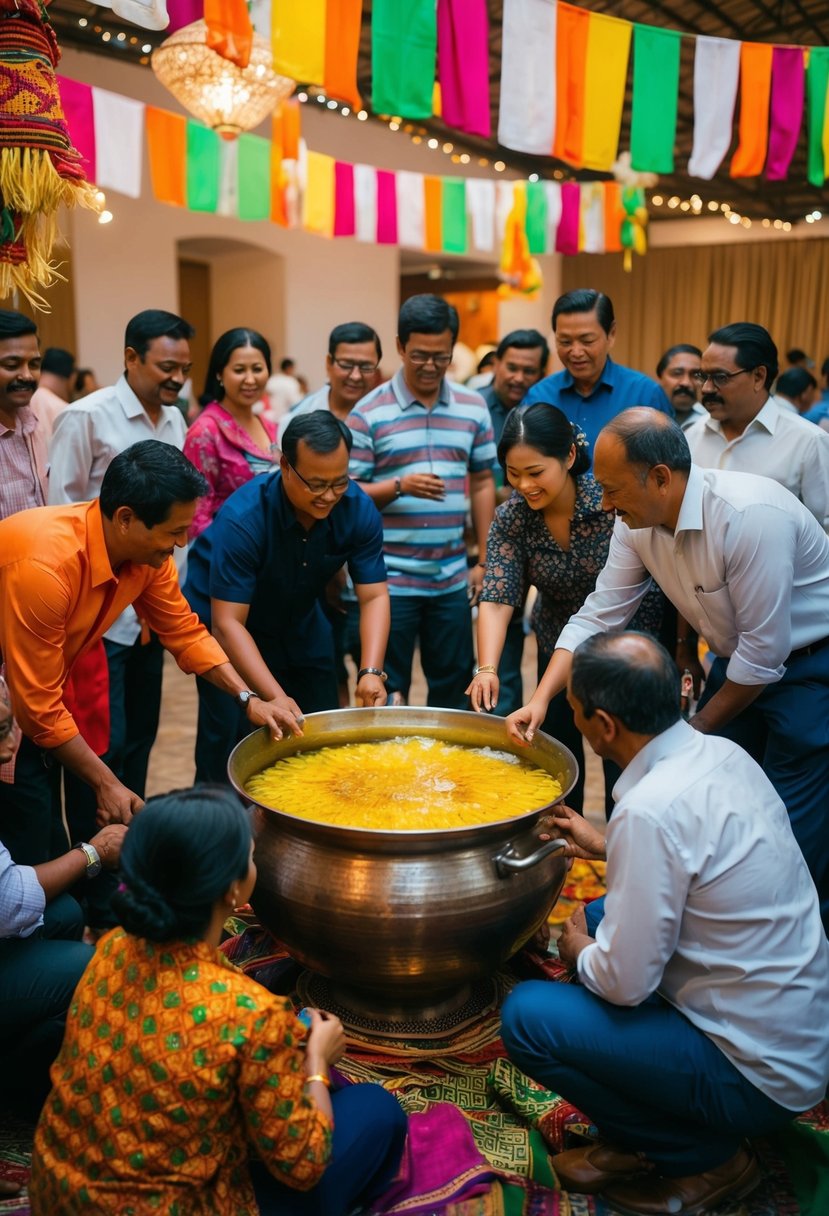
(365,369)
(718,379)
(421,357)
(317,486)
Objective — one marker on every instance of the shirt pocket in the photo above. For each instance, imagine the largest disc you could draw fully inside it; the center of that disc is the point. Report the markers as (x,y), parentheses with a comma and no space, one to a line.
(717,624)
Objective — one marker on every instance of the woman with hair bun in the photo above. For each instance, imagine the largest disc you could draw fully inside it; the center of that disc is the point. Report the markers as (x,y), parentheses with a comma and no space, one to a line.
(174,1064)
(554,535)
(229,442)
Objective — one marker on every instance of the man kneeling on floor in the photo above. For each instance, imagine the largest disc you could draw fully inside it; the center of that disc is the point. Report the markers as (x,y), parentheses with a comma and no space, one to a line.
(701,1012)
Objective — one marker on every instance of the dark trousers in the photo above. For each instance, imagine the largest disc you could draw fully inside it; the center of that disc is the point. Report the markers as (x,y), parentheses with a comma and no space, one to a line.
(222,723)
(30,822)
(510,682)
(443,626)
(135,674)
(786,730)
(38,976)
(559,723)
(369,1135)
(650,1080)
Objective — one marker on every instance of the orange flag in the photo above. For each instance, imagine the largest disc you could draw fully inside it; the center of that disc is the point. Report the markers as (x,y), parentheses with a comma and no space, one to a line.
(278,215)
(571,68)
(290,129)
(755,92)
(342,43)
(433,202)
(614,213)
(167,147)
(229,30)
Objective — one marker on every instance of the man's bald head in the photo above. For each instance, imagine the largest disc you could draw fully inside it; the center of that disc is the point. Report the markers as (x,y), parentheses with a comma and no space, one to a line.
(649,438)
(631,677)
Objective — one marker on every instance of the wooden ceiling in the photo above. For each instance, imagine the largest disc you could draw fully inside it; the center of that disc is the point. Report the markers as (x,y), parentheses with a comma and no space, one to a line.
(804,22)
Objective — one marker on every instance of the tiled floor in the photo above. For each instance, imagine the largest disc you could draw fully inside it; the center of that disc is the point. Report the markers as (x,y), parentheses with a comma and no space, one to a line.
(172,766)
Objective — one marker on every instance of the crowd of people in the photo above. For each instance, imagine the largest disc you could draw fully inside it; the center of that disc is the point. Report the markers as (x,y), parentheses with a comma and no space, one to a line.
(262,546)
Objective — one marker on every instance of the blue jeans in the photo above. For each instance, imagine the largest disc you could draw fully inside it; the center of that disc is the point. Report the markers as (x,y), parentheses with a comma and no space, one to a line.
(786,730)
(650,1081)
(369,1134)
(443,625)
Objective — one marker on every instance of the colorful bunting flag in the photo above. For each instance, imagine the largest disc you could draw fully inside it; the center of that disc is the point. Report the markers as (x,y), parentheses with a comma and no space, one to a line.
(453,215)
(592,53)
(203,164)
(527,116)
(298,39)
(386,207)
(403,49)
(342,45)
(344,219)
(254,180)
(655,98)
(787,92)
(755,92)
(365,203)
(716,72)
(567,234)
(229,30)
(108,131)
(817,86)
(536,217)
(167,146)
(318,199)
(433,203)
(480,203)
(411,214)
(463,65)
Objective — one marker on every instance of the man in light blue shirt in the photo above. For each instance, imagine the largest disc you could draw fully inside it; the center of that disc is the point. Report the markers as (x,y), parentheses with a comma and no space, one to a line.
(592,389)
(701,1009)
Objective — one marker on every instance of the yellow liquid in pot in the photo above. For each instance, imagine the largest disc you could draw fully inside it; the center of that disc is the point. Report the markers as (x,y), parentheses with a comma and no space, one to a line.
(406,784)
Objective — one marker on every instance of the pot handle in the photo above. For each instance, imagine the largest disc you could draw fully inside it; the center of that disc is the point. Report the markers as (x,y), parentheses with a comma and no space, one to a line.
(508,862)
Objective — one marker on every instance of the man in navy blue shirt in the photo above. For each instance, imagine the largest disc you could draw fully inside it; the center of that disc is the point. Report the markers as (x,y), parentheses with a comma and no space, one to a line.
(592,389)
(256,575)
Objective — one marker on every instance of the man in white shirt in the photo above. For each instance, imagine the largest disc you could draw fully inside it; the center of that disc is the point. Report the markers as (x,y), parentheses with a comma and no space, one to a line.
(87,436)
(747,431)
(354,354)
(748,567)
(703,997)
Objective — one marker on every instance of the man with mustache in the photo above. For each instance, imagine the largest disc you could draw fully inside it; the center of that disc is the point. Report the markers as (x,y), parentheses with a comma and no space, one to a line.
(87,436)
(22,436)
(675,372)
(747,431)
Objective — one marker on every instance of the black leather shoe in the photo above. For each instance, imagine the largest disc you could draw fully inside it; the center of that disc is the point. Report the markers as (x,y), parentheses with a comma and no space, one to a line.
(586,1171)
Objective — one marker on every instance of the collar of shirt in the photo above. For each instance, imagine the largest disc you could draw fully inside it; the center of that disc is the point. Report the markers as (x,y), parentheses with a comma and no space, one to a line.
(99,564)
(690,512)
(606,380)
(27,419)
(133,408)
(766,419)
(406,398)
(660,746)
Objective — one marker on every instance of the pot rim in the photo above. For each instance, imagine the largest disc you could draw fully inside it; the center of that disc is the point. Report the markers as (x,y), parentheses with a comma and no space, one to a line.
(327,728)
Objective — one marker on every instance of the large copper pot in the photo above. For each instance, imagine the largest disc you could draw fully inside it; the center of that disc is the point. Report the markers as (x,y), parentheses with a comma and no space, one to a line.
(400,921)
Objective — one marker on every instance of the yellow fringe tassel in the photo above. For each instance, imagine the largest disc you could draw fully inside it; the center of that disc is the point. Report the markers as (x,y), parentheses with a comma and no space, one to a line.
(32,188)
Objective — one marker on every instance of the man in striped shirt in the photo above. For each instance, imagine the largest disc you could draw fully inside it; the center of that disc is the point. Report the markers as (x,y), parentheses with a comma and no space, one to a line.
(419,442)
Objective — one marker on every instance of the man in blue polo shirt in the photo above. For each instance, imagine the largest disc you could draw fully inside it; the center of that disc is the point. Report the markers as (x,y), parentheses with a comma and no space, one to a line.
(419,442)
(592,389)
(256,575)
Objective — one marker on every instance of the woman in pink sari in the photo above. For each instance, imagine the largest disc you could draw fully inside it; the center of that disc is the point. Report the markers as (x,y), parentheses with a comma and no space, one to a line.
(229,442)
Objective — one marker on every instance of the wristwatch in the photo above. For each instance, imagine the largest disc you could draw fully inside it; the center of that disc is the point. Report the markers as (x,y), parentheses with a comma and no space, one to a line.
(398,487)
(371,671)
(244,696)
(93,861)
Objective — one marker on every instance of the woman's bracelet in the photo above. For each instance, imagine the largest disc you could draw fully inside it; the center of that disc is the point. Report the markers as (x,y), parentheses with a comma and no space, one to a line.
(486,669)
(319,1076)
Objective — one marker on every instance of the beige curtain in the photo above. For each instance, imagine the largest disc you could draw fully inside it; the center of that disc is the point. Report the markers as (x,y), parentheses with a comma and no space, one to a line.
(682,294)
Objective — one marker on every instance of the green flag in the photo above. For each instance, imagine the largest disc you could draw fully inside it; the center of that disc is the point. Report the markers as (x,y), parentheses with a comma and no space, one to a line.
(403,52)
(817,84)
(537,217)
(202,167)
(655,94)
(254,178)
(453,215)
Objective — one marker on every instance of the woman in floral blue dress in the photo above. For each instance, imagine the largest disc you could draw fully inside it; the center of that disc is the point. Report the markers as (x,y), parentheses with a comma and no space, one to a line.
(554,535)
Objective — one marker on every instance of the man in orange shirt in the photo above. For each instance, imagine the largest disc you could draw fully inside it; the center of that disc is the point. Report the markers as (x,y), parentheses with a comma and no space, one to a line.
(66,573)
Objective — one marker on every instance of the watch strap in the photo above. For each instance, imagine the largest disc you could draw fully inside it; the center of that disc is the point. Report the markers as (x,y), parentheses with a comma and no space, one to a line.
(93,859)
(372,671)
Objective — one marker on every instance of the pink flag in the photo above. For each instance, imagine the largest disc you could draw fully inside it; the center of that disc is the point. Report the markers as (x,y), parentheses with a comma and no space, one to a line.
(786,108)
(386,208)
(78,109)
(463,65)
(567,237)
(343,199)
(184,12)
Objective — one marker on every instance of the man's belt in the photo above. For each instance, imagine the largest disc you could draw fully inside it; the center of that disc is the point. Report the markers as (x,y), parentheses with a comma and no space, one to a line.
(812,648)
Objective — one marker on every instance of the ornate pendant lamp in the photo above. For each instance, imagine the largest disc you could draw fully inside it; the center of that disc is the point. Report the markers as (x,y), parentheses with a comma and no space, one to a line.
(225,97)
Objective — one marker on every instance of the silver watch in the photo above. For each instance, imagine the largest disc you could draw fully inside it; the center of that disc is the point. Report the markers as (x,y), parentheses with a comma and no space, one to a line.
(93,860)
(244,696)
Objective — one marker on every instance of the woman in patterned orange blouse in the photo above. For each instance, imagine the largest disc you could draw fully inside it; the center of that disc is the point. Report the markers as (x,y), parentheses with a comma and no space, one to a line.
(175,1068)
